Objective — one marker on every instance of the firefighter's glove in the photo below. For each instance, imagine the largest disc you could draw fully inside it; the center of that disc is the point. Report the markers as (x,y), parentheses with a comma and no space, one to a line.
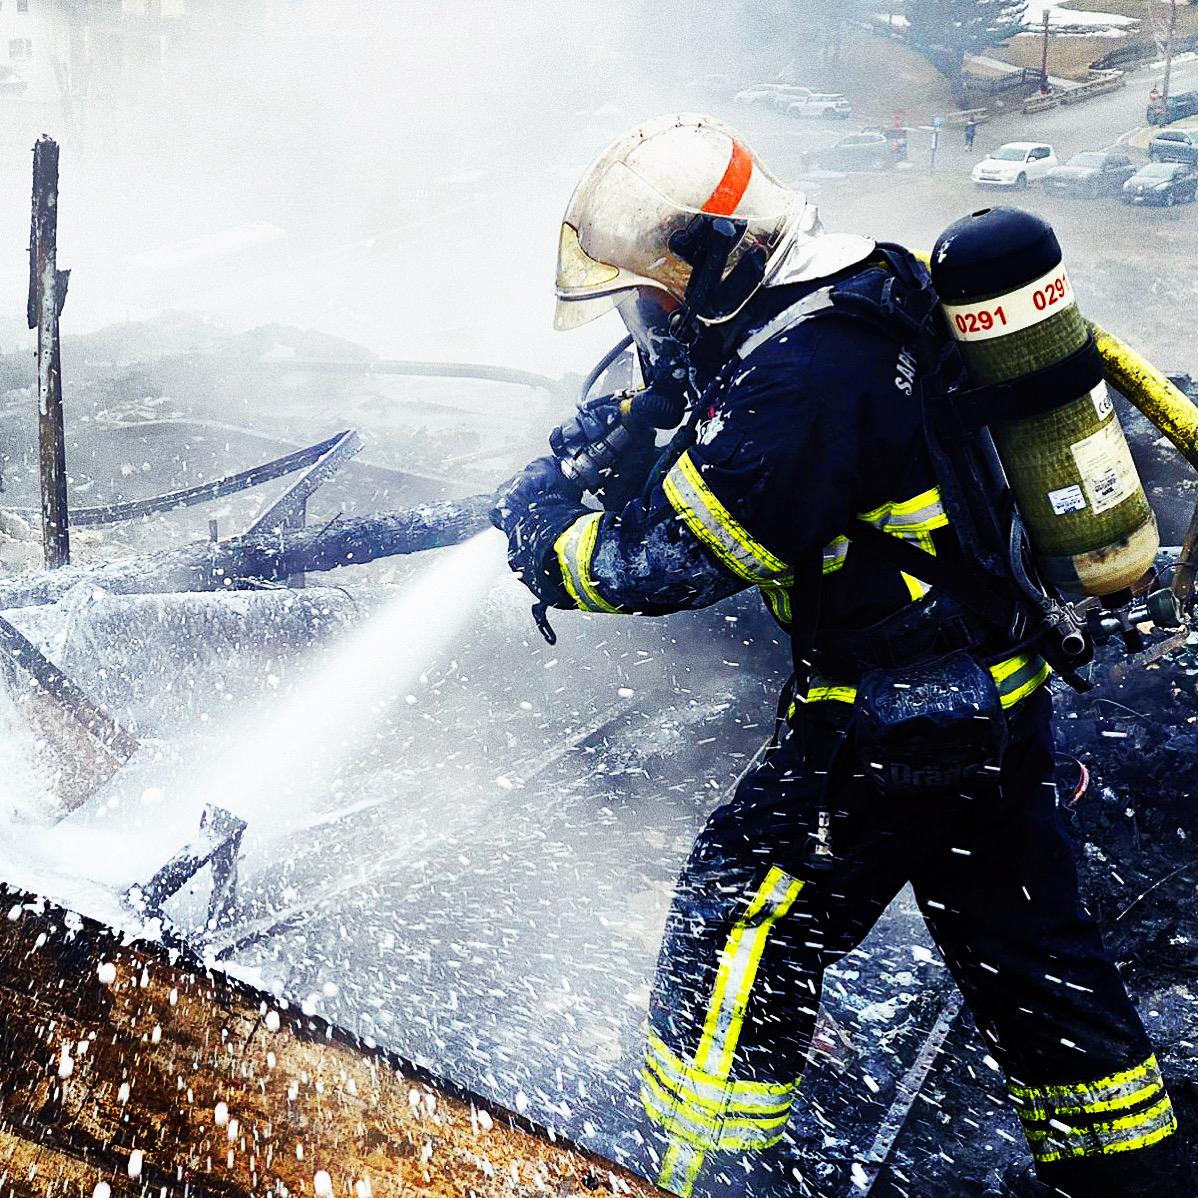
(540,484)
(532,510)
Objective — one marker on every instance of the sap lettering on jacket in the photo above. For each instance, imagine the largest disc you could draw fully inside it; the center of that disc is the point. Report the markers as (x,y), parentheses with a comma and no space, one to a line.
(904,378)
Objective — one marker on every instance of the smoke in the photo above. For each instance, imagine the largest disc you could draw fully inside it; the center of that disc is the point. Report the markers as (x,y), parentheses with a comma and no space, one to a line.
(24,791)
(417,157)
(281,764)
(269,765)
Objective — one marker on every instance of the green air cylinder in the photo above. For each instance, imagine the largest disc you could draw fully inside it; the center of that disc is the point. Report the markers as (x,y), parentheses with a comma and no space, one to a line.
(1010,305)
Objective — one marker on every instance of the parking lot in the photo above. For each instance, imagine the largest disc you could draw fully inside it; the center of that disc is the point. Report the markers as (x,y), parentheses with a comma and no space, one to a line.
(1126,262)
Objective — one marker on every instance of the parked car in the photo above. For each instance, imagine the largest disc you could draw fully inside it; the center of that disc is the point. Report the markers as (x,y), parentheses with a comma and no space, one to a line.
(826,104)
(771,93)
(1165,112)
(796,100)
(860,152)
(1174,145)
(1094,173)
(1016,164)
(1162,183)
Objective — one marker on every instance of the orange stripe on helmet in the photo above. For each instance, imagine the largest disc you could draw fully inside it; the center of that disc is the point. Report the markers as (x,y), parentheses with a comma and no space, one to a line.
(731,188)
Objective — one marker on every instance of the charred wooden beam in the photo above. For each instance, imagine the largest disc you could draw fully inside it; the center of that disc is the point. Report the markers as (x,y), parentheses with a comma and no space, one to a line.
(217,845)
(19,652)
(217,488)
(80,744)
(129,1065)
(47,294)
(287,511)
(252,560)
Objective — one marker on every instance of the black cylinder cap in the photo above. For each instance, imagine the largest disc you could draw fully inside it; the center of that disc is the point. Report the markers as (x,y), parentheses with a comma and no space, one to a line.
(991,252)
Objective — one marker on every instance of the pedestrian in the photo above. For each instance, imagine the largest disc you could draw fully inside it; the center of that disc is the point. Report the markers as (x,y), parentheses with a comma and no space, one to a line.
(806,426)
(971,129)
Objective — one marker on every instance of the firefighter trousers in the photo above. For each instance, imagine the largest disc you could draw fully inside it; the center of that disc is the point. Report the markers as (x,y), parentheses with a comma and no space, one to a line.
(754,924)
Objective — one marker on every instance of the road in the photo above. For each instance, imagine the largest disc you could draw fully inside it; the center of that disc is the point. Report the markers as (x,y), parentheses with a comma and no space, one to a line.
(1132,269)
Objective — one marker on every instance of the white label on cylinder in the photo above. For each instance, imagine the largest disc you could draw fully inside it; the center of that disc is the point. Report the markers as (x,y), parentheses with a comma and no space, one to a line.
(1067,499)
(1020,309)
(1103,406)
(1104,462)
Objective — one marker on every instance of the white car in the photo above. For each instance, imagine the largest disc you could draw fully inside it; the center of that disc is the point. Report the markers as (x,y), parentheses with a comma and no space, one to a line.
(1016,164)
(795,100)
(772,93)
(821,104)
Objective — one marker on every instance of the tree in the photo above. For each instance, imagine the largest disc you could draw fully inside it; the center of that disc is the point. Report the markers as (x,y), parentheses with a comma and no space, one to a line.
(944,31)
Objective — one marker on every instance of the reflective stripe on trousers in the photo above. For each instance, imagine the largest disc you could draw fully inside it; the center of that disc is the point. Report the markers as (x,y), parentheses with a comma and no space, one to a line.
(697,1102)
(1118,1113)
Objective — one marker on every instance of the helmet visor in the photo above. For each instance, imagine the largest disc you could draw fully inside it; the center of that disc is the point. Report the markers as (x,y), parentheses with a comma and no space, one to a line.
(576,269)
(587,287)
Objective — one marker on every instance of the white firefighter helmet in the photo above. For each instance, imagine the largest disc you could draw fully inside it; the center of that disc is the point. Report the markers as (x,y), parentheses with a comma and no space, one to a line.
(651,183)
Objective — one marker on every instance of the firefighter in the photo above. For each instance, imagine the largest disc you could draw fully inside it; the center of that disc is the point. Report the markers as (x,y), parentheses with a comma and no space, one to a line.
(807,426)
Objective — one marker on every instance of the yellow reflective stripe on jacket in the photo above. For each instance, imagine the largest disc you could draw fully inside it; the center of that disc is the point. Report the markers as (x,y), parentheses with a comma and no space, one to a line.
(835,553)
(735,547)
(1016,677)
(914,520)
(777,597)
(916,587)
(923,513)
(574,549)
(1141,1130)
(716,527)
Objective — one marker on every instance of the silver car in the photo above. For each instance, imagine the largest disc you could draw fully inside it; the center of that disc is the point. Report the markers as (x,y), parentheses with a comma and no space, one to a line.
(1094,173)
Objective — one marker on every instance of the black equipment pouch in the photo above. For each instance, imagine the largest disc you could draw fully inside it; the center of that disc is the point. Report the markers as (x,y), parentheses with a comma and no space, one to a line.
(923,729)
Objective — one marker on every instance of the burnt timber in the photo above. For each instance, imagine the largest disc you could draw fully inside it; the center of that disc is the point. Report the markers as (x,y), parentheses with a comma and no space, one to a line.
(139,1068)
(264,557)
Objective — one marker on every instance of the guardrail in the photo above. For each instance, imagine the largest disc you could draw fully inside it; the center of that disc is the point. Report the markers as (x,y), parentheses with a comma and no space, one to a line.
(977,85)
(1141,51)
(1040,103)
(978,115)
(1107,82)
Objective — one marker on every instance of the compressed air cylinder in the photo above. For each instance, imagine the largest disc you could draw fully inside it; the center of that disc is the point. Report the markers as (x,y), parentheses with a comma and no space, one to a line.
(1005,290)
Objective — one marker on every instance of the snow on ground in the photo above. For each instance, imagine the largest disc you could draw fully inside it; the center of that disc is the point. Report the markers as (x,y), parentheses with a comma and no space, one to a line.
(1069,20)
(1188,56)
(1036,9)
